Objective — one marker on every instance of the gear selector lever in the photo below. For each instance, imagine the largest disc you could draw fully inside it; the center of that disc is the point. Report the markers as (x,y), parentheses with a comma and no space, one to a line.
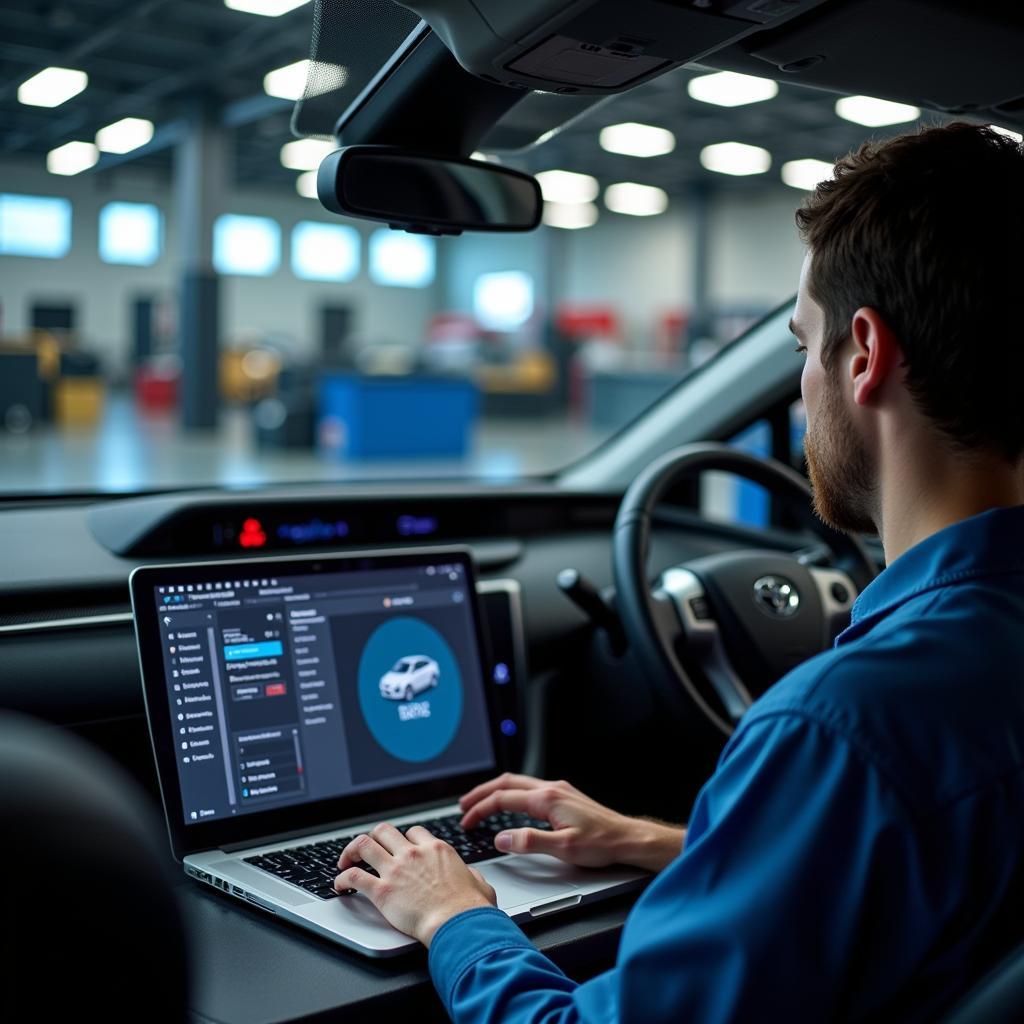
(593,604)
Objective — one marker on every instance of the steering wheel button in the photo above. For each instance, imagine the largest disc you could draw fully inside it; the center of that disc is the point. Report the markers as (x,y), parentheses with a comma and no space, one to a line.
(839,593)
(700,608)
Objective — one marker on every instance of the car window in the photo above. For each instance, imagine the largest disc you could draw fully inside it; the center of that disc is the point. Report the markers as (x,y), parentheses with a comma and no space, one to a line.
(342,349)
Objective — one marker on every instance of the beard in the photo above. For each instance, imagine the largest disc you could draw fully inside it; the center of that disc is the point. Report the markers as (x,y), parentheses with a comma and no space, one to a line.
(843,479)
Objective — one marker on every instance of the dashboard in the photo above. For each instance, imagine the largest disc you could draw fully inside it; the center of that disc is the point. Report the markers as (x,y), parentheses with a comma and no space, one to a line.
(67,642)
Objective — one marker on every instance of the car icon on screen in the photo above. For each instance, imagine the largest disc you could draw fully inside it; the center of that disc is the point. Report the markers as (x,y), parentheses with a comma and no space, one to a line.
(409,676)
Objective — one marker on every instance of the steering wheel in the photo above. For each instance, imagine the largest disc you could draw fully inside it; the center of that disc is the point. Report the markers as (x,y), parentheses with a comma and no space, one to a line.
(718,630)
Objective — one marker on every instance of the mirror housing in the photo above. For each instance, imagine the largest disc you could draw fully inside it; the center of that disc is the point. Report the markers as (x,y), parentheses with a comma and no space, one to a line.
(427,194)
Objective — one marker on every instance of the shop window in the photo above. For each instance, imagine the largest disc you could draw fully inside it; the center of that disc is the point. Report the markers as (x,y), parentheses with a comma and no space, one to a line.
(398,258)
(34,226)
(325,252)
(130,233)
(246,245)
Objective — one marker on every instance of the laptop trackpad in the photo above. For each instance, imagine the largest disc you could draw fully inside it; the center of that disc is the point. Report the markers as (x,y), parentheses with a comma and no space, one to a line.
(519,880)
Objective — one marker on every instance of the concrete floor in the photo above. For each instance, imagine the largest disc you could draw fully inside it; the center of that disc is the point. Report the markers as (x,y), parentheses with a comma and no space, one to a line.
(129,452)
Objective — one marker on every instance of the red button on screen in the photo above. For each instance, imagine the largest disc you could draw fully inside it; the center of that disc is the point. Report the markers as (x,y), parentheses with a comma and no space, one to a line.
(275,689)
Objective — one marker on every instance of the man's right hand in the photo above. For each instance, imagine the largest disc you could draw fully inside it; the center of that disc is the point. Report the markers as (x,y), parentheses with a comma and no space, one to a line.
(583,831)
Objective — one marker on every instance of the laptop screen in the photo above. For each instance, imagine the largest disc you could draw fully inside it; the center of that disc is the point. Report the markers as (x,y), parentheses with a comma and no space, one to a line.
(287,687)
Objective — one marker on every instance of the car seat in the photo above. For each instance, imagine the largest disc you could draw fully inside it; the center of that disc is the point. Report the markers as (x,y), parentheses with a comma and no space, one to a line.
(997,998)
(91,922)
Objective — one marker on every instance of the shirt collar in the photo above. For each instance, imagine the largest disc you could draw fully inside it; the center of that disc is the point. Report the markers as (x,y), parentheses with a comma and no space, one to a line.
(985,544)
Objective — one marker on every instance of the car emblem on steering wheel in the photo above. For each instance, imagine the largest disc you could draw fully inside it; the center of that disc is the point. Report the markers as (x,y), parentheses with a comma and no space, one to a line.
(776,596)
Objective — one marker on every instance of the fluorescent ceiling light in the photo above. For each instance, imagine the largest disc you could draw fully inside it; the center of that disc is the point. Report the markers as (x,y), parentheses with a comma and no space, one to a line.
(728,89)
(874,113)
(1016,136)
(570,215)
(287,83)
(634,139)
(125,135)
(305,154)
(735,158)
(305,185)
(72,158)
(567,187)
(806,174)
(305,78)
(635,200)
(52,87)
(268,8)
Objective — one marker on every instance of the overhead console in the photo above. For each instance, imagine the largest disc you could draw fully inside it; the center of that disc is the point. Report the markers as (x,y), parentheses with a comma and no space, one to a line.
(593,46)
(215,524)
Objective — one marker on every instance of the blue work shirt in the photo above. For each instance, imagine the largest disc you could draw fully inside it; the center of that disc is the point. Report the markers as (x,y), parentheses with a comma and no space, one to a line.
(859,851)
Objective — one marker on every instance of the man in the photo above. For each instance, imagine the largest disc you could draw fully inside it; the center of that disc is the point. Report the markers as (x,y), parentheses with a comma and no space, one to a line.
(859,851)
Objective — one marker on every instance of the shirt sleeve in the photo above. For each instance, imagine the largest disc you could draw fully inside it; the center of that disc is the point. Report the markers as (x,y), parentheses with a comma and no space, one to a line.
(764,915)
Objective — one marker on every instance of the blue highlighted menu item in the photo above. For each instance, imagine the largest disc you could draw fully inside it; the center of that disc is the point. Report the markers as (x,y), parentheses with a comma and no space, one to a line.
(238,652)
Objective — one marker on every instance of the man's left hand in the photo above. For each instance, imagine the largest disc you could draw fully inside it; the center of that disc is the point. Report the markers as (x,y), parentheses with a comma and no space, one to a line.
(423,881)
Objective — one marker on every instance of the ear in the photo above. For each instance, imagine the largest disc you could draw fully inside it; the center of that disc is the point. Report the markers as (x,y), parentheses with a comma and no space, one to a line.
(876,354)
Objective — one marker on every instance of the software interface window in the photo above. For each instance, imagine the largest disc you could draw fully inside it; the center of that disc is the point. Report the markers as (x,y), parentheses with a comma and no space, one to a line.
(290,689)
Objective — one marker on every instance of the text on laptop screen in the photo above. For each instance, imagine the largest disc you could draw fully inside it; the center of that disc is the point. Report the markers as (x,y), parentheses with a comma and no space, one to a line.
(287,690)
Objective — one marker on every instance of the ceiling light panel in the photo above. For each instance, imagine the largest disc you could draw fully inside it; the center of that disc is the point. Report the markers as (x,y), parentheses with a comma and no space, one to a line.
(305,185)
(729,89)
(567,187)
(633,139)
(806,174)
(1016,136)
(570,215)
(736,158)
(305,154)
(267,8)
(51,87)
(875,113)
(72,158)
(287,83)
(125,135)
(635,200)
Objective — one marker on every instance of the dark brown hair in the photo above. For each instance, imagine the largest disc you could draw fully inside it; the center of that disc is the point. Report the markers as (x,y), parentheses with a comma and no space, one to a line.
(928,230)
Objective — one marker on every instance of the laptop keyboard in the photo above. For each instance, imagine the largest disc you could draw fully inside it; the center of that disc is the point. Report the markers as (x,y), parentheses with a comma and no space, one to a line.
(314,866)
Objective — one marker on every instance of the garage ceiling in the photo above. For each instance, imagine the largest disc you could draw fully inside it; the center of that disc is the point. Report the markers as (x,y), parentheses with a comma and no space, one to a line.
(147,58)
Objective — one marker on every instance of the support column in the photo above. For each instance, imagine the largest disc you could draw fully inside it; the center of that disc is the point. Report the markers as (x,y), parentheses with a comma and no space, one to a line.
(701,323)
(200,173)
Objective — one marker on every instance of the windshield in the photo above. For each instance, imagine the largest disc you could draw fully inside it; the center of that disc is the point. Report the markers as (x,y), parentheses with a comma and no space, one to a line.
(340,349)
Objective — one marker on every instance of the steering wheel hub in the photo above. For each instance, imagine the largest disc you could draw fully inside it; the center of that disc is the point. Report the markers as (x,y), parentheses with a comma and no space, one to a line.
(740,619)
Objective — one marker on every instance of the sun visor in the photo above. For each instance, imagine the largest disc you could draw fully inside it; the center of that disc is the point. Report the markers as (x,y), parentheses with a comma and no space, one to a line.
(948,56)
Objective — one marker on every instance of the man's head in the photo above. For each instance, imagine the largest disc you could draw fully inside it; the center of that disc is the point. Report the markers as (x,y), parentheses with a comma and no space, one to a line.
(907,308)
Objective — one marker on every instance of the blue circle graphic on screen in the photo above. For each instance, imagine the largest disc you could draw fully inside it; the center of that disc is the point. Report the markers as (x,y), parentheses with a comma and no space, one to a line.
(410,689)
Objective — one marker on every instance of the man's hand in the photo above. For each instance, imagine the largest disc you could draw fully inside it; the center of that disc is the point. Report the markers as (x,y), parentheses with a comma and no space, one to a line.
(583,831)
(423,881)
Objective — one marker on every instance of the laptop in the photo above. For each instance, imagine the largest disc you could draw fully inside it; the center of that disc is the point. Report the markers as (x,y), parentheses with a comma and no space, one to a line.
(295,702)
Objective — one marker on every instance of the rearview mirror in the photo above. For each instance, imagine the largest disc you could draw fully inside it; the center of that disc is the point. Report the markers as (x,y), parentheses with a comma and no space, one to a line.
(429,194)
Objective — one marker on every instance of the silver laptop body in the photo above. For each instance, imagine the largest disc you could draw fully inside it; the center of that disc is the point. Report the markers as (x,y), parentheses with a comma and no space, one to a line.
(527,886)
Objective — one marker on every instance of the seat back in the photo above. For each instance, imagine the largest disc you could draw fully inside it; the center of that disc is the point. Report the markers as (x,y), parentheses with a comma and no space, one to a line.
(91,923)
(998,998)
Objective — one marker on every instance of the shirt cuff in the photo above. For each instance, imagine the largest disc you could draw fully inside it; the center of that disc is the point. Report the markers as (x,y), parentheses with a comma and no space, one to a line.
(466,938)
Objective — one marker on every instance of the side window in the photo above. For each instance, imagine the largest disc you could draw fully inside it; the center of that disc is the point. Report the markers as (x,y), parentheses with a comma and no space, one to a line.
(778,433)
(728,499)
(797,429)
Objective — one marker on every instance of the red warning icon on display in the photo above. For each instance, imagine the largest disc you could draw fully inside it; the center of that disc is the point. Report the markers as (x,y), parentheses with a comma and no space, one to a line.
(252,535)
